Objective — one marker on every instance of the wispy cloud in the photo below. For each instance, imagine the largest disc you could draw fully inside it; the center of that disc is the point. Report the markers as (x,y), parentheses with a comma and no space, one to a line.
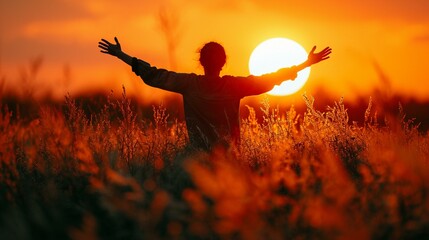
(421,38)
(352,10)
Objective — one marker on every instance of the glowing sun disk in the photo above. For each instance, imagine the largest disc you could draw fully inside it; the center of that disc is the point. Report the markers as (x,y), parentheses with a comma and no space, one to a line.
(275,53)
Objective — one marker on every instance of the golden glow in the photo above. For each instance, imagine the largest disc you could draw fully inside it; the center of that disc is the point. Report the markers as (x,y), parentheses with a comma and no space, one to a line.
(276,53)
(66,39)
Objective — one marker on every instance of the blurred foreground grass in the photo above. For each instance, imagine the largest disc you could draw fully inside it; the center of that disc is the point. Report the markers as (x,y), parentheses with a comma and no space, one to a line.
(116,175)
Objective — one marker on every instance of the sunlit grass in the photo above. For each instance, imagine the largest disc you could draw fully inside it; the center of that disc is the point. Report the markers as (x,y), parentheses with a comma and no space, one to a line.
(114,174)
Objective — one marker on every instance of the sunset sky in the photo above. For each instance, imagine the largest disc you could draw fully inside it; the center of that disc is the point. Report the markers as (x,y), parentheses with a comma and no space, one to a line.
(369,39)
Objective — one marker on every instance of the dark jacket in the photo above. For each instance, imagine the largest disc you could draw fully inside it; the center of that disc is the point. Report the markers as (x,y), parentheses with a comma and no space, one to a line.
(211,104)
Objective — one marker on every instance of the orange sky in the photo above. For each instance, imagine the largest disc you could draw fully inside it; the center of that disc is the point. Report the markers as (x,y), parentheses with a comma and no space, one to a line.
(368,37)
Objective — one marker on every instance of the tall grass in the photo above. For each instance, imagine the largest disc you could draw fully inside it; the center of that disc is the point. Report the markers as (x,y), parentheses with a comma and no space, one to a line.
(114,174)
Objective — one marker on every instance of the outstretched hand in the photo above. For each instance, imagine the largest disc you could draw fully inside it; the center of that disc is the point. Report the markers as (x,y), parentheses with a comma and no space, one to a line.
(318,57)
(110,48)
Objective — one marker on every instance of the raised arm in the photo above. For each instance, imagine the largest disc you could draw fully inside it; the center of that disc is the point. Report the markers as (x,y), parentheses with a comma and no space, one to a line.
(314,58)
(159,78)
(114,50)
(290,73)
(266,82)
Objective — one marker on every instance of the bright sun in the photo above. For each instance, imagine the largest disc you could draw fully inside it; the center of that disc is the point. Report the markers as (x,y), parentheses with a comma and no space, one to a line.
(276,53)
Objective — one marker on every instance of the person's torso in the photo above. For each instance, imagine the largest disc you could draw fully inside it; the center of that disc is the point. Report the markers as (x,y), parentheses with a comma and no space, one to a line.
(212,110)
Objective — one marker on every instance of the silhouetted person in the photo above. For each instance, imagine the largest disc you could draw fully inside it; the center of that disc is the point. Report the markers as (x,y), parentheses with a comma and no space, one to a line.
(211,102)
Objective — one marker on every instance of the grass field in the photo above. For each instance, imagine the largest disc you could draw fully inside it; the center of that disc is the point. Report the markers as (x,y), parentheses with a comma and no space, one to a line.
(114,174)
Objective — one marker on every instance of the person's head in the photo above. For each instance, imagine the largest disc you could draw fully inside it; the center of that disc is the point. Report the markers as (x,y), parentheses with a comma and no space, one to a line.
(212,57)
